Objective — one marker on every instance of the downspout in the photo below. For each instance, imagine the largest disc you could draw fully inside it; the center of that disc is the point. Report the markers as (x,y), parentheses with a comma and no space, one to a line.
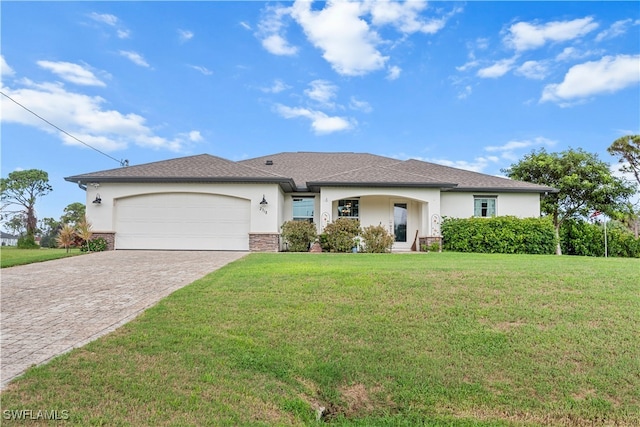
(82,186)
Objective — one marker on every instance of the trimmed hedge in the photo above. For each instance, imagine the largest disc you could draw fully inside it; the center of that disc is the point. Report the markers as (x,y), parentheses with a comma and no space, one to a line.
(579,237)
(505,234)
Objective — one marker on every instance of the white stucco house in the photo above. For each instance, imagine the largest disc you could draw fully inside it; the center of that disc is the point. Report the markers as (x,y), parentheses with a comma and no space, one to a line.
(8,239)
(206,202)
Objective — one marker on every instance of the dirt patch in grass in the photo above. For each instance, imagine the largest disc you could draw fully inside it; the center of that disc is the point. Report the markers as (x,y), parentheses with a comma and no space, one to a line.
(354,401)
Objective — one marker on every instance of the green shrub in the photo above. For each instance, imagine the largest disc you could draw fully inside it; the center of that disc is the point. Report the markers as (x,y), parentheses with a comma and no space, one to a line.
(27,242)
(579,237)
(299,235)
(376,239)
(504,234)
(98,244)
(341,234)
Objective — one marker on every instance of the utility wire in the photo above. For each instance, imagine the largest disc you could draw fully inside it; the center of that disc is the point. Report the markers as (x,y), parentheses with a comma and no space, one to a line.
(121,162)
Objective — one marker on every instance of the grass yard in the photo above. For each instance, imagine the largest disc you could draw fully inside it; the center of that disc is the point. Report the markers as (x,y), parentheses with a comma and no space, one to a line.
(12,256)
(403,339)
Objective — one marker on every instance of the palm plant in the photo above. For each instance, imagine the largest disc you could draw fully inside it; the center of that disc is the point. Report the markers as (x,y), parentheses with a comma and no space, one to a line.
(66,236)
(84,231)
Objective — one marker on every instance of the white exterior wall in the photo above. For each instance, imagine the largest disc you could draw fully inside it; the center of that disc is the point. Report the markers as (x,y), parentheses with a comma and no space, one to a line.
(376,205)
(102,216)
(521,205)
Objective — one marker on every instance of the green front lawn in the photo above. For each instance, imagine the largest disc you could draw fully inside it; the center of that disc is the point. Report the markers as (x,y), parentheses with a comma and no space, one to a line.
(12,256)
(389,339)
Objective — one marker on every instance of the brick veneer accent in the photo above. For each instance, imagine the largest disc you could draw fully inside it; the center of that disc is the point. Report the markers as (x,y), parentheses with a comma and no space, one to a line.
(429,241)
(264,242)
(110,237)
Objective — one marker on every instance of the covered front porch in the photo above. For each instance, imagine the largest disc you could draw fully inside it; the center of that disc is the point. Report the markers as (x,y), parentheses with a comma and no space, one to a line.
(408,214)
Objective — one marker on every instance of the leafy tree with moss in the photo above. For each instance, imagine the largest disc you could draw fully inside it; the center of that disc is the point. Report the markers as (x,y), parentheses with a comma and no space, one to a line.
(585,184)
(20,190)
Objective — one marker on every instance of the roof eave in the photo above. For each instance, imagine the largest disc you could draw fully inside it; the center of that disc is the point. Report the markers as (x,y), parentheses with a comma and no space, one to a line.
(315,186)
(540,190)
(287,184)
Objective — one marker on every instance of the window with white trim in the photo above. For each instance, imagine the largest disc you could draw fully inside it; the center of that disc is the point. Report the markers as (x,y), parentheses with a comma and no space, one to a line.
(303,208)
(348,208)
(484,206)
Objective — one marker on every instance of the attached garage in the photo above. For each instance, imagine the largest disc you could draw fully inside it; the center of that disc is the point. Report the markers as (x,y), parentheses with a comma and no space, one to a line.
(182,221)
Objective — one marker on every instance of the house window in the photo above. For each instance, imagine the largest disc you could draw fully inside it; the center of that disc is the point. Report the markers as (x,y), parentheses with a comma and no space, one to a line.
(303,208)
(484,206)
(348,208)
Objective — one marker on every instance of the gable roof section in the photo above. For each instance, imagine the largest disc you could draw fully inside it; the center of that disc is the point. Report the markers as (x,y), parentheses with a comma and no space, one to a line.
(306,167)
(308,171)
(468,180)
(200,168)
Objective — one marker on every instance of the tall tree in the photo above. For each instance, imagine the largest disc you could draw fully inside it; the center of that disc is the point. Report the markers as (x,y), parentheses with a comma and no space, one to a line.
(21,189)
(627,149)
(585,184)
(73,213)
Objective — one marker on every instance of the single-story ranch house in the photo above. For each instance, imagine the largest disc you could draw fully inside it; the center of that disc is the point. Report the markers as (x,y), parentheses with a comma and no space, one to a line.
(206,202)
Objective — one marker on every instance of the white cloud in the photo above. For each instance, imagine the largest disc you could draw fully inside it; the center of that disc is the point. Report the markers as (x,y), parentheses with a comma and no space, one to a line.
(477,165)
(507,150)
(405,16)
(203,70)
(245,25)
(616,29)
(498,69)
(322,91)
(572,54)
(607,75)
(523,36)
(195,136)
(321,123)
(105,18)
(277,45)
(356,104)
(465,92)
(83,116)
(112,21)
(135,57)
(272,34)
(394,72)
(185,35)
(345,31)
(536,70)
(277,87)
(5,69)
(73,73)
(346,40)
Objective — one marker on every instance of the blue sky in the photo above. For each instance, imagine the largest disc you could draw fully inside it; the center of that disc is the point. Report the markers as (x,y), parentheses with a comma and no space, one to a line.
(474,85)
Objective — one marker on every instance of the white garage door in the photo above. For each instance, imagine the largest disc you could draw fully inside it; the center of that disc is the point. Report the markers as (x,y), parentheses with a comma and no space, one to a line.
(182,221)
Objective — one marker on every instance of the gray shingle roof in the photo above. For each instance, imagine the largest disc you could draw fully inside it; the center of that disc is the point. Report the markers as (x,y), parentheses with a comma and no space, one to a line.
(200,168)
(307,171)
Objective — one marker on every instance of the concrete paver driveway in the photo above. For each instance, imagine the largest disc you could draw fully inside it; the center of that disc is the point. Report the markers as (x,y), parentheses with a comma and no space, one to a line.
(52,307)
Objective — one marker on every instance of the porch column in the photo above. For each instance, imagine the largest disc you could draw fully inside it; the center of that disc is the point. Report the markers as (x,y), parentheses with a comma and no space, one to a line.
(326,215)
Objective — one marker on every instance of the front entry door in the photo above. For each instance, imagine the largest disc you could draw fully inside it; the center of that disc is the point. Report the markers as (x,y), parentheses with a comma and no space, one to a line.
(400,212)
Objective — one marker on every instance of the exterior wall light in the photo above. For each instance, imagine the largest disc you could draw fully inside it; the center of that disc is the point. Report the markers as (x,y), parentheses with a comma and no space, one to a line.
(264,204)
(98,200)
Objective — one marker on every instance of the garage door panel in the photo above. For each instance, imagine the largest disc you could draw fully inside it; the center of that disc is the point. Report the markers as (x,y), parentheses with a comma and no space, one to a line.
(186,221)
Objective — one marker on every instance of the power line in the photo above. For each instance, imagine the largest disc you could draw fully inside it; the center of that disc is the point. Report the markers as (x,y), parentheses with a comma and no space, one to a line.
(121,162)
